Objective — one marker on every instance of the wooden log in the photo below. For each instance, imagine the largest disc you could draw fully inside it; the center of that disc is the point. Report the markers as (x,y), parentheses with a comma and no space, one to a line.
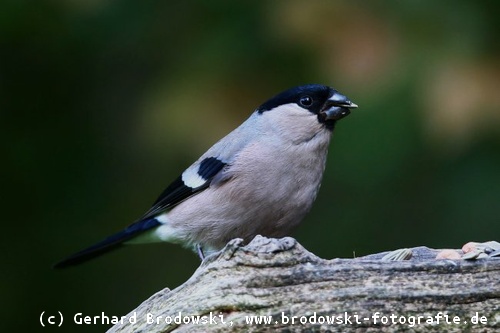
(279,281)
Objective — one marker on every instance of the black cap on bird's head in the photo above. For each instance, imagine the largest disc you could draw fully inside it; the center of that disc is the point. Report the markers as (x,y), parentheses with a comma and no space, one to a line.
(327,103)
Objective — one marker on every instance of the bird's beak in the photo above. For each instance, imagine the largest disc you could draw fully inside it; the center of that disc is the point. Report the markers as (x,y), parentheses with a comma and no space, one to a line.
(337,107)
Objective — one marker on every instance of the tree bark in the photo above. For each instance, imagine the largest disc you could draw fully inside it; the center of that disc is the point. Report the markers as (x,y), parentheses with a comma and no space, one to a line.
(281,281)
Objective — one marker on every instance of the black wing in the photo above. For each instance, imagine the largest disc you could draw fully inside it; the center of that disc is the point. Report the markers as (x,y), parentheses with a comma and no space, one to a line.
(173,195)
(178,191)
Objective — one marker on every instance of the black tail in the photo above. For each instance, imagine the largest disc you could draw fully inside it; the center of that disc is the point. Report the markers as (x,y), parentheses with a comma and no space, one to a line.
(108,244)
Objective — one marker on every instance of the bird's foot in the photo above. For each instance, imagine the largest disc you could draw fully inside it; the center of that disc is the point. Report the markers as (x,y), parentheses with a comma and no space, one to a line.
(199,250)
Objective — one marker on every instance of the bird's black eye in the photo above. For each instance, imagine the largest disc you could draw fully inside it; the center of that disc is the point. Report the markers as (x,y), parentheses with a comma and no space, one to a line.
(305,101)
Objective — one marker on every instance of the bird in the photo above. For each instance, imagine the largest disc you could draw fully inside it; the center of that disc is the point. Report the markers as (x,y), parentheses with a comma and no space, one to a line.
(260,179)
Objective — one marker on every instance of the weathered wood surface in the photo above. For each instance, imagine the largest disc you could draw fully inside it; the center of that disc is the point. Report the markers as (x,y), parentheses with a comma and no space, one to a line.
(279,278)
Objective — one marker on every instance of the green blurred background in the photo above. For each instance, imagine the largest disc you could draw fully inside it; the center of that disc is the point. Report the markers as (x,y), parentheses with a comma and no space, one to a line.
(103,103)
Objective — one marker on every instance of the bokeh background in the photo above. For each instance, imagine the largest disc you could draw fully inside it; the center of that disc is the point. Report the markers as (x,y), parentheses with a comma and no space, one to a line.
(103,103)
